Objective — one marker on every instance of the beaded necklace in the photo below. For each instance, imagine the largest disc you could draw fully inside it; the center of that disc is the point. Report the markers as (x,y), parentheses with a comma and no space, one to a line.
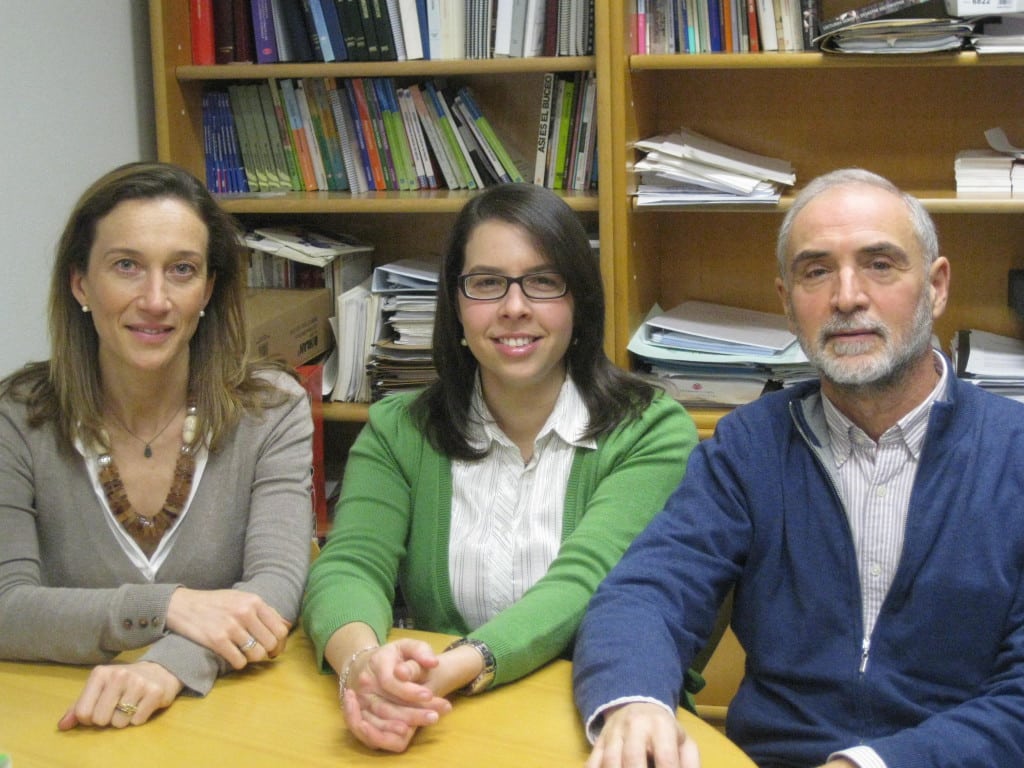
(148,531)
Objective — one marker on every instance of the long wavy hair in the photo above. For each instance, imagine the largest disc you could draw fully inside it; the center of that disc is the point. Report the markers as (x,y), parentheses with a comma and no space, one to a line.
(222,379)
(611,395)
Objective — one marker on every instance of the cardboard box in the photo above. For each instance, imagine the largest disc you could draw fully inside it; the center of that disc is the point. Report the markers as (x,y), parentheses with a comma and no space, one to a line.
(291,324)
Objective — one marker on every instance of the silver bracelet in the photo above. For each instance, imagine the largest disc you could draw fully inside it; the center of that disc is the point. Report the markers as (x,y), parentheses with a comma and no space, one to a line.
(343,677)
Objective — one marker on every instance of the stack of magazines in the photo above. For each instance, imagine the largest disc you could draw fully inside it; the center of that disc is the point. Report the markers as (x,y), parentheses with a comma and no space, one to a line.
(894,36)
(686,168)
(988,360)
(715,355)
(406,292)
(997,171)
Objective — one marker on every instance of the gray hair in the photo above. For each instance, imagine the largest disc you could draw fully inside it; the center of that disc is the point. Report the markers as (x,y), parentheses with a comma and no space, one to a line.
(920,220)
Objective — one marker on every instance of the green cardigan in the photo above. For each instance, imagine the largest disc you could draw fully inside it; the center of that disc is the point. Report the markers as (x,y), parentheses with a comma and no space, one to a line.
(391,526)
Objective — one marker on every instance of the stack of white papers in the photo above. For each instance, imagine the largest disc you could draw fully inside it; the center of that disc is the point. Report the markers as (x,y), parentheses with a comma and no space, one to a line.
(991,361)
(402,356)
(896,36)
(356,327)
(994,172)
(686,168)
(983,173)
(711,354)
(1000,34)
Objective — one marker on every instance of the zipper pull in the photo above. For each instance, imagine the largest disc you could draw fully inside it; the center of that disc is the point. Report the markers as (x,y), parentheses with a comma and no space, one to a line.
(865,647)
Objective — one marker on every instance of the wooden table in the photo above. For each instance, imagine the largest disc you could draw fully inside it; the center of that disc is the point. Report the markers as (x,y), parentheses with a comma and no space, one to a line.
(284,713)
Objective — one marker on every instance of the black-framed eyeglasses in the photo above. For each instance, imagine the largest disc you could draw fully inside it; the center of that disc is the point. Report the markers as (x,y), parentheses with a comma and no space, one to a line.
(483,286)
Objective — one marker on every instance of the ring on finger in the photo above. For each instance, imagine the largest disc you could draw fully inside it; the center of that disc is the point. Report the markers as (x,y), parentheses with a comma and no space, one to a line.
(248,645)
(128,709)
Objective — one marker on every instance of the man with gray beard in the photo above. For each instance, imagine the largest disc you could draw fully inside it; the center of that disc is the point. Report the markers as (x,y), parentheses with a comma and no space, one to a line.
(871,525)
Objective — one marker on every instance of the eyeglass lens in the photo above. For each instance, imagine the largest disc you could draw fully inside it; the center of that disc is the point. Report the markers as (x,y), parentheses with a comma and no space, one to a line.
(539,285)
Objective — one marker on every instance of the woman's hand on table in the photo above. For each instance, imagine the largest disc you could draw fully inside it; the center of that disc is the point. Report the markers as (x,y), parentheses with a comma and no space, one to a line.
(639,735)
(387,695)
(238,626)
(119,695)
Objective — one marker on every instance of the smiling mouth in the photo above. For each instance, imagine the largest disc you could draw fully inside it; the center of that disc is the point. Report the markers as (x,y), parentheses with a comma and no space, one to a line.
(517,341)
(149,331)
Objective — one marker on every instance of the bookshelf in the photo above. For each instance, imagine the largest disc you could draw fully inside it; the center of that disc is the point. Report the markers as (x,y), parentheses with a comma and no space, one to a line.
(904,117)
(399,224)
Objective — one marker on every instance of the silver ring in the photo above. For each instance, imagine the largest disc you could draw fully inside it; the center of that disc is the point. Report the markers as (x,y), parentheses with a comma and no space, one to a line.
(128,709)
(249,644)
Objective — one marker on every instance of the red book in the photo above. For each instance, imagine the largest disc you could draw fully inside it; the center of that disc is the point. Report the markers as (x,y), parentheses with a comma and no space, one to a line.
(754,36)
(201,32)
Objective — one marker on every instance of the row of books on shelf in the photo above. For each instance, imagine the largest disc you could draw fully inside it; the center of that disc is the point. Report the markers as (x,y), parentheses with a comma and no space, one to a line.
(370,134)
(273,31)
(881,26)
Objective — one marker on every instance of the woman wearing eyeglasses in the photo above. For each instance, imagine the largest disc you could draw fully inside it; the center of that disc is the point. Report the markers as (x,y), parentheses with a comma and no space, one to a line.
(500,496)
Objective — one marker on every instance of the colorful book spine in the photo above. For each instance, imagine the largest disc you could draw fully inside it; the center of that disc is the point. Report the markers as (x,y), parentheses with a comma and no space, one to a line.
(287,143)
(467,172)
(564,127)
(544,130)
(314,136)
(302,150)
(358,91)
(352,29)
(499,148)
(391,119)
(425,175)
(320,109)
(433,133)
(346,137)
(264,35)
(333,23)
(280,177)
(361,139)
(380,135)
(204,49)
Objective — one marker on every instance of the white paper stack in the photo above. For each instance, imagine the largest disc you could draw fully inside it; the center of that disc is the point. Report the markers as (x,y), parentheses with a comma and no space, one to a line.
(402,355)
(686,168)
(711,354)
(991,361)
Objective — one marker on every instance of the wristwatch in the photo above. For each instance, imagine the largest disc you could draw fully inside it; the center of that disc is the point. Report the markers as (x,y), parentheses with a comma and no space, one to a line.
(482,681)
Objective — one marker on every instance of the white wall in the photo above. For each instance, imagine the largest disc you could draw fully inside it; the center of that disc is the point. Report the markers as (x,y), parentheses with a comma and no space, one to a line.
(77,100)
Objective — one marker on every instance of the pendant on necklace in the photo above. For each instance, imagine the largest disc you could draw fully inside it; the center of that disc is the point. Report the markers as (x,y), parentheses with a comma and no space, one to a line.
(148,452)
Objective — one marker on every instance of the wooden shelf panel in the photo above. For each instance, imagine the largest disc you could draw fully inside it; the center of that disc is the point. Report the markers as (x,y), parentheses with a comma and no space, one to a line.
(434,68)
(811,59)
(936,201)
(420,202)
(346,412)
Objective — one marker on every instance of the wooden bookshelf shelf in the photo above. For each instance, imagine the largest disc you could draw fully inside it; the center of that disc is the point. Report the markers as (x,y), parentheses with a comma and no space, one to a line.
(444,68)
(420,202)
(936,201)
(809,59)
(347,412)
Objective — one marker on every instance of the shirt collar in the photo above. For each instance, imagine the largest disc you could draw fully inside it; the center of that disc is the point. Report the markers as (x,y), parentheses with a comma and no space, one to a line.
(910,430)
(568,419)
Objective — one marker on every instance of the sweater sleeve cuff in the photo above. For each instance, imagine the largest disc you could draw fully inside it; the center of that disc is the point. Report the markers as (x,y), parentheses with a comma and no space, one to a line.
(596,720)
(864,757)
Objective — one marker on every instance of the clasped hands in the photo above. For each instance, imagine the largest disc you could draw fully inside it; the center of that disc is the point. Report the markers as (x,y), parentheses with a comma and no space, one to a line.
(394,690)
(238,626)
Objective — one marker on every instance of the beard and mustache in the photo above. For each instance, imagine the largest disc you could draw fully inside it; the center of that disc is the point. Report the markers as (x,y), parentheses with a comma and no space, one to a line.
(843,363)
